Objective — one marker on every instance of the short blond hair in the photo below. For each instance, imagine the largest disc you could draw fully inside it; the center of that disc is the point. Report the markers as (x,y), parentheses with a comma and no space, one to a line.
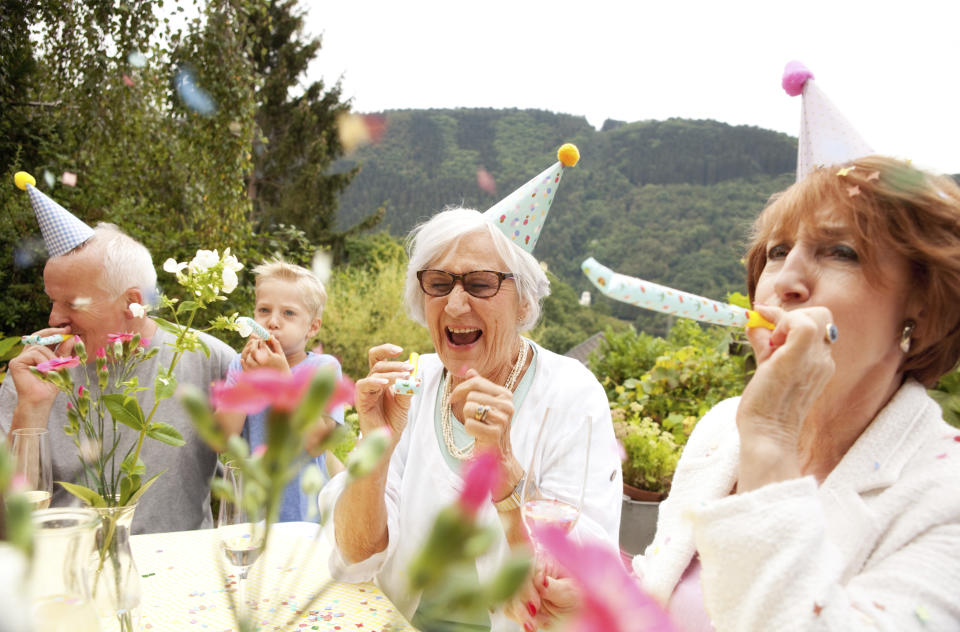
(312,292)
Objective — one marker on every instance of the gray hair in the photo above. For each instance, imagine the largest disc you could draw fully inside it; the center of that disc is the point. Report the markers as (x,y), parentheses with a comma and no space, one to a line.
(126,262)
(432,239)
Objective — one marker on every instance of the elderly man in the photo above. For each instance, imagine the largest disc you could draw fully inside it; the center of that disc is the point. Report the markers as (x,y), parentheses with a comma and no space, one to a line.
(92,287)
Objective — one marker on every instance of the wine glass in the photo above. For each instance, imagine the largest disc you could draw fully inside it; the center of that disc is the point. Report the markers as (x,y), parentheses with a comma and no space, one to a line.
(241,531)
(556,478)
(31,450)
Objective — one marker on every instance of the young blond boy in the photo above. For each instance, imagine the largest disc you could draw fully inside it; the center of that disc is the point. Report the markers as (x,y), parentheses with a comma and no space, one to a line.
(289,305)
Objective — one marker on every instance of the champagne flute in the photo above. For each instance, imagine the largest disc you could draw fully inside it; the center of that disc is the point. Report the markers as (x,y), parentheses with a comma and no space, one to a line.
(556,478)
(31,450)
(241,531)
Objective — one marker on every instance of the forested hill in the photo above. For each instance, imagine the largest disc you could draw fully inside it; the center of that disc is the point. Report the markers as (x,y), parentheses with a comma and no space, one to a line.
(669,201)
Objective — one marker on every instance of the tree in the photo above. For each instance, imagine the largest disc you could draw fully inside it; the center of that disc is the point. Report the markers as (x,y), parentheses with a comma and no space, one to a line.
(291,181)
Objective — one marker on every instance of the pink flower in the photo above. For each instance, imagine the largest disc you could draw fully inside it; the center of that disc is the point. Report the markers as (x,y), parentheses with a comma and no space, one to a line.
(612,600)
(480,476)
(144,342)
(259,450)
(101,353)
(55,364)
(342,394)
(124,337)
(80,390)
(257,389)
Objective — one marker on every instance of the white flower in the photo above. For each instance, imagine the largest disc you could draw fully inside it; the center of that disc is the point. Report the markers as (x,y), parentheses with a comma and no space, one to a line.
(137,310)
(244,328)
(230,280)
(171,266)
(230,262)
(204,260)
(321,265)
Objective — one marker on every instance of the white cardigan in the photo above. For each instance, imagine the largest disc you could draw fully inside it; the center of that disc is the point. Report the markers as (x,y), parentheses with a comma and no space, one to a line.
(875,547)
(420,482)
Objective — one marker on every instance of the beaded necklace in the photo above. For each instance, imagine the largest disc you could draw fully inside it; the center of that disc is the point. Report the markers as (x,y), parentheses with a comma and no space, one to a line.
(446,424)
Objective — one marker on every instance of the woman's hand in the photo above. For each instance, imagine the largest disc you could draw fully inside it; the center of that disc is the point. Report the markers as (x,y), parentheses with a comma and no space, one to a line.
(547,596)
(794,364)
(491,429)
(377,405)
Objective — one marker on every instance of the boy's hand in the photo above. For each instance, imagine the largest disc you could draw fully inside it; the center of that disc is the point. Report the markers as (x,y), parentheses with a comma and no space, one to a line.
(259,354)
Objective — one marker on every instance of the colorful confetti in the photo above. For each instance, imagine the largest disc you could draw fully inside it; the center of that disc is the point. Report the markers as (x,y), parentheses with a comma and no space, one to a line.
(136,59)
(486,182)
(192,95)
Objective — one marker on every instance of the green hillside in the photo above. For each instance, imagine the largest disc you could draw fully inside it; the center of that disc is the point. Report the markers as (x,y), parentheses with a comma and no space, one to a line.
(669,201)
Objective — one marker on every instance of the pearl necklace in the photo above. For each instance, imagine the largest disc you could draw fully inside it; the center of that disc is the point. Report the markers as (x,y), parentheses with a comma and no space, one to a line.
(446,425)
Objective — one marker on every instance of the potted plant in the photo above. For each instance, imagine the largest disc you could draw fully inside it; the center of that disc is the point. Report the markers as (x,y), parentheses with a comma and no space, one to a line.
(654,414)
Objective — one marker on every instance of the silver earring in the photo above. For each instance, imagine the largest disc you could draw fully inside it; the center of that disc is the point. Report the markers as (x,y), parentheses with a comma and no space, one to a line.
(908,328)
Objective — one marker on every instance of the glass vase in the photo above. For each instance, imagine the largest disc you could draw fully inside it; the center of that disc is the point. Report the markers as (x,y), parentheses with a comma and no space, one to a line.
(58,582)
(114,579)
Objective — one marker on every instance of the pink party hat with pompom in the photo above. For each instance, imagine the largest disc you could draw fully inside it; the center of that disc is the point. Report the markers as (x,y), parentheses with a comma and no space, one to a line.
(520,215)
(826,136)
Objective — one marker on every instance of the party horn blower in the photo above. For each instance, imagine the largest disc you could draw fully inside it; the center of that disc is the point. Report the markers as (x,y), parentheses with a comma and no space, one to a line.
(660,298)
(247,326)
(410,385)
(43,341)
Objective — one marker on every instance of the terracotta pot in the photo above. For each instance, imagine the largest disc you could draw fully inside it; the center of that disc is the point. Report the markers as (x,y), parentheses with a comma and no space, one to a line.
(635,493)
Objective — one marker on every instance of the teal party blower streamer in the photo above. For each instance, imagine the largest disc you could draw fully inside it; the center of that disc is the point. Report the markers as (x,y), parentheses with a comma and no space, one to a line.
(660,298)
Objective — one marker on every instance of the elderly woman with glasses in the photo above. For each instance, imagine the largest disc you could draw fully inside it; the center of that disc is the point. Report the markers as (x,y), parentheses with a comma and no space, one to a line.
(486,389)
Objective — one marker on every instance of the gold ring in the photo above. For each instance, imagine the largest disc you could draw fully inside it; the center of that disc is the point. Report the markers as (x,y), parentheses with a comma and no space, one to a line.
(831,334)
(481,412)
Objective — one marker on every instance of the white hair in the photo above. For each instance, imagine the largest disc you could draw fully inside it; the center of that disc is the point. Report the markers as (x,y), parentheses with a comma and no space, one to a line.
(432,239)
(126,263)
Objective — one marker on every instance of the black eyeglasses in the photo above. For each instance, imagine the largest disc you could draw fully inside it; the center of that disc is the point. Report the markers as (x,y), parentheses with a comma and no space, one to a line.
(479,283)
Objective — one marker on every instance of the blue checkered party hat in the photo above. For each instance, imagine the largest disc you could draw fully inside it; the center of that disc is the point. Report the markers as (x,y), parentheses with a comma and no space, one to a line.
(62,231)
(521,214)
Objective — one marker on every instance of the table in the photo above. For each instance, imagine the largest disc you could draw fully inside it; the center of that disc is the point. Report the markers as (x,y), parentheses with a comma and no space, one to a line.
(183,585)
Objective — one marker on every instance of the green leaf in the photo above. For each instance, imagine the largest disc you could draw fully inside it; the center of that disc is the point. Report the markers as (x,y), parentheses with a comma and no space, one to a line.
(314,403)
(138,493)
(7,344)
(130,467)
(164,384)
(85,494)
(125,410)
(203,346)
(168,326)
(165,433)
(186,306)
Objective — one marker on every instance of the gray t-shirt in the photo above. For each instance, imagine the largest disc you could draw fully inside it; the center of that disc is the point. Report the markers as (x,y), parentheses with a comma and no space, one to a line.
(180,498)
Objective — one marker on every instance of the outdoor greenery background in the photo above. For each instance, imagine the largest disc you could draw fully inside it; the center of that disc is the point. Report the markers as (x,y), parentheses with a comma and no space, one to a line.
(265,174)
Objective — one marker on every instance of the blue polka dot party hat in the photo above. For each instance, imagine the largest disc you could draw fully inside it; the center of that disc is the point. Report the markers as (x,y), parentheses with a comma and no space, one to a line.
(521,214)
(62,231)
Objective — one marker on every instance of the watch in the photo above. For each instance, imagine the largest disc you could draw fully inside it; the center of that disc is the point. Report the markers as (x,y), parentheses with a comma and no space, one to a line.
(513,499)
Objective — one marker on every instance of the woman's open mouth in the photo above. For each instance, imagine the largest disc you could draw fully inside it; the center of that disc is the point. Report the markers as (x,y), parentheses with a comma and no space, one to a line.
(461,336)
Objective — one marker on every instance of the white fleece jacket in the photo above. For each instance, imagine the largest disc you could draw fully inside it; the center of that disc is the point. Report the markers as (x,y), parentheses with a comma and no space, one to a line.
(875,547)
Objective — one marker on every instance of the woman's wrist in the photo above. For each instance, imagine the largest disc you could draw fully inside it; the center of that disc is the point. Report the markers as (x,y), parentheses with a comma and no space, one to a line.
(764,460)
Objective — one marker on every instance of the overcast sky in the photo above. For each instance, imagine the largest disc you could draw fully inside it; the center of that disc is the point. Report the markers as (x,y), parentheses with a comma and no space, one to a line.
(892,68)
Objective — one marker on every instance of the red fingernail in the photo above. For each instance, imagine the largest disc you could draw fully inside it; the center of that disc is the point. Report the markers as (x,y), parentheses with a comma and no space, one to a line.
(528,626)
(532,609)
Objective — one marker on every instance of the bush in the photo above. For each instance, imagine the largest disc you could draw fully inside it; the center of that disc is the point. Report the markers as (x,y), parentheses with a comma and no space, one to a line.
(681,378)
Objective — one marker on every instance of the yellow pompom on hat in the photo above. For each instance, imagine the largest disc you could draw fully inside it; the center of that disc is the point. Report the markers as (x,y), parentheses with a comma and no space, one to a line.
(62,230)
(521,214)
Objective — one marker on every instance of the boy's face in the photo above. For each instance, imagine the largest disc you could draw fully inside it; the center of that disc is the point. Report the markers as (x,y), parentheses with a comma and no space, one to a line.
(280,311)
